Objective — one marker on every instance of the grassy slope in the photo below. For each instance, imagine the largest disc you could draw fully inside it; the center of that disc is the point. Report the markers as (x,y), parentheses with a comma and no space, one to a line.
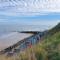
(48,49)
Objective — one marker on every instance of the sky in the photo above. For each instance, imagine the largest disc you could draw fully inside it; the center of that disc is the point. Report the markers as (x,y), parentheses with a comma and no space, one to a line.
(32,12)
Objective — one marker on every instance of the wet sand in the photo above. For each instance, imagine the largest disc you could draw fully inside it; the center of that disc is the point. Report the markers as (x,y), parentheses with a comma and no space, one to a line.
(11,39)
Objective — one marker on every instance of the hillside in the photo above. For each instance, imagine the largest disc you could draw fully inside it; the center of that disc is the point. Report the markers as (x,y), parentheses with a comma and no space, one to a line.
(47,49)
(54,29)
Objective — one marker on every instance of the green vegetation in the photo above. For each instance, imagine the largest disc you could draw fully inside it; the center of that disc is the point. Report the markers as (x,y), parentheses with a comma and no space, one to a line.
(47,49)
(54,29)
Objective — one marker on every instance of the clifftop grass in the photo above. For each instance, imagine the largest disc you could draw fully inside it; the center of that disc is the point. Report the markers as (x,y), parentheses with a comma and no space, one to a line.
(48,49)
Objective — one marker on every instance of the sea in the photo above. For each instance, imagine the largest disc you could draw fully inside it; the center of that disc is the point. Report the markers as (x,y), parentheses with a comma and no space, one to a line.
(8,28)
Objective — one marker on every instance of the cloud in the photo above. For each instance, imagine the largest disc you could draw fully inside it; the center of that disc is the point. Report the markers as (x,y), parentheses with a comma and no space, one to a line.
(29,7)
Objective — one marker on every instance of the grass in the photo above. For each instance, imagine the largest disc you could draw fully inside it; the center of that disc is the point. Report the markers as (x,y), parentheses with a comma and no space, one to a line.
(48,49)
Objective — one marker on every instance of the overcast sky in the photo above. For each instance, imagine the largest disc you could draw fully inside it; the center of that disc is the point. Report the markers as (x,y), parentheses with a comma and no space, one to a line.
(30,12)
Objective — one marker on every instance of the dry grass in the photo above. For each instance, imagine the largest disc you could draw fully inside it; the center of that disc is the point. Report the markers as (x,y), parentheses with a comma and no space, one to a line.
(48,49)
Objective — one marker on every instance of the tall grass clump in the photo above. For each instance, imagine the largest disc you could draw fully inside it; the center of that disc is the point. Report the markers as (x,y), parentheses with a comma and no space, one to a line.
(47,49)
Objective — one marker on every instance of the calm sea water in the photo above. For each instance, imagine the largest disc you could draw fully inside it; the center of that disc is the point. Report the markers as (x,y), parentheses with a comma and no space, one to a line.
(7,28)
